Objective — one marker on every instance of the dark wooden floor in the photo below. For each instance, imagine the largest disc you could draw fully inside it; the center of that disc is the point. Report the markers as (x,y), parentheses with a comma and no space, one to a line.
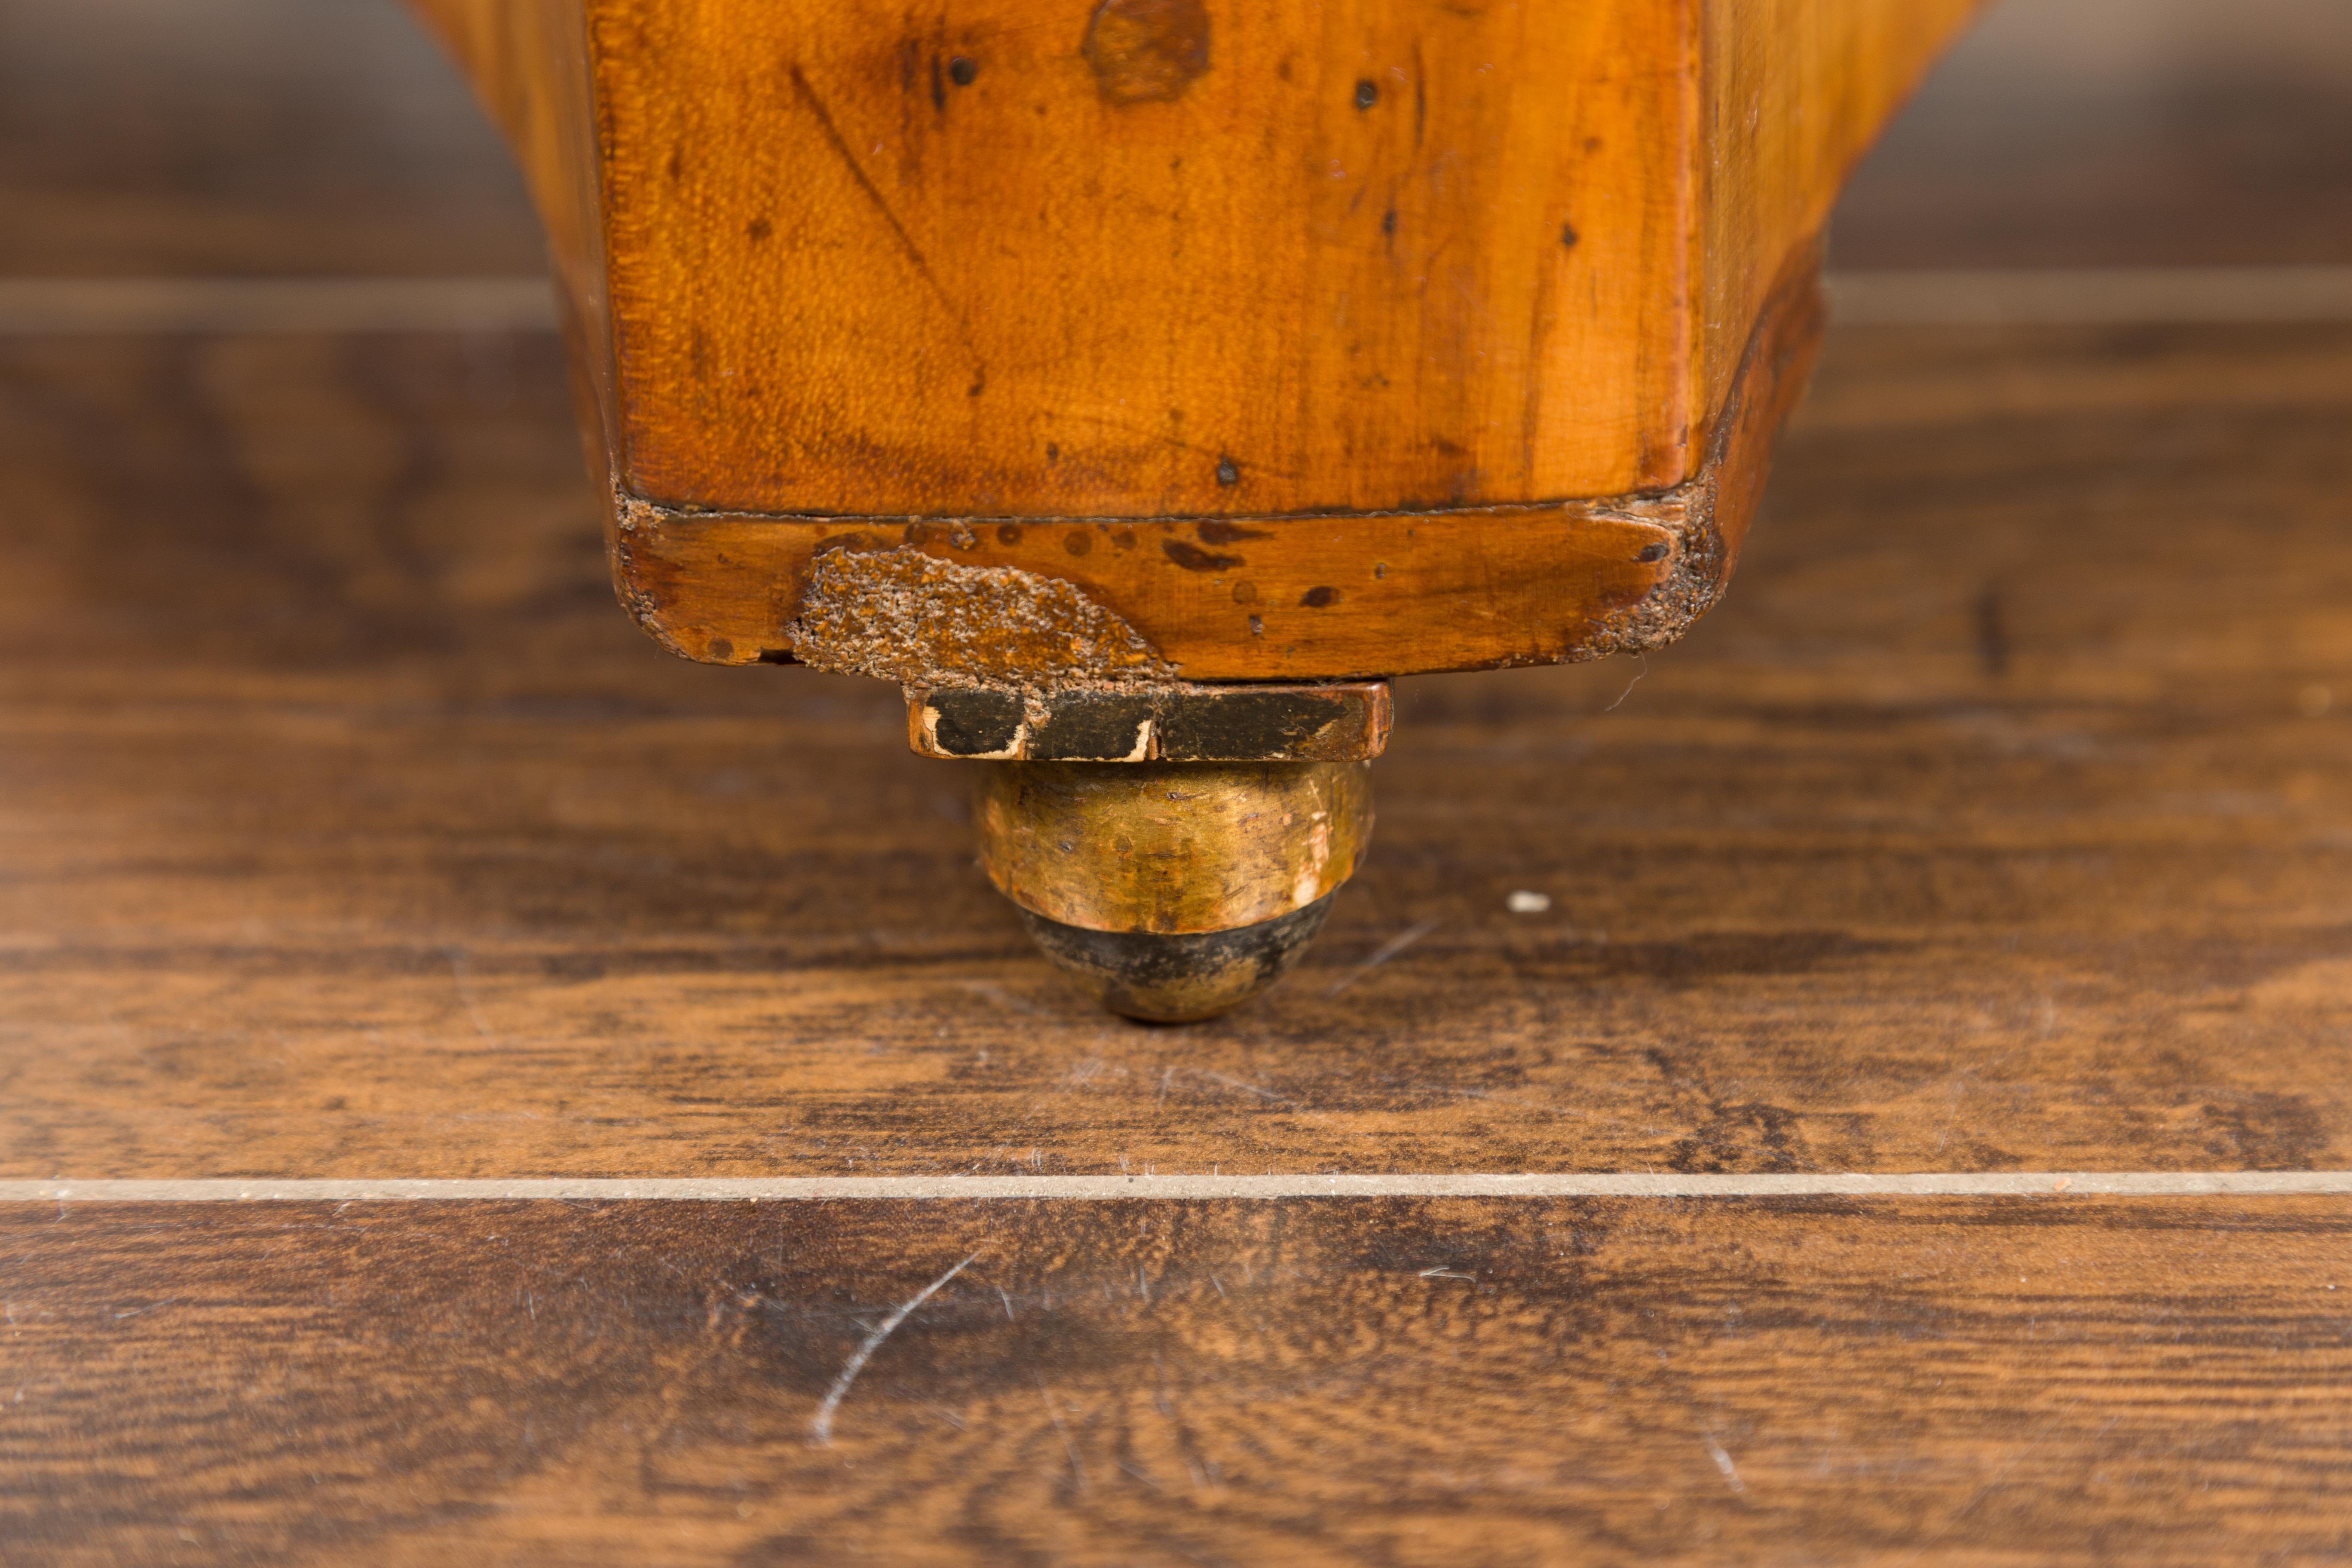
(1947,1380)
(352,832)
(2002,819)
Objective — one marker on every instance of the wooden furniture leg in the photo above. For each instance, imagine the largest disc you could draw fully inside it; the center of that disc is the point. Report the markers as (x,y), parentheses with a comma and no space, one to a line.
(1108,373)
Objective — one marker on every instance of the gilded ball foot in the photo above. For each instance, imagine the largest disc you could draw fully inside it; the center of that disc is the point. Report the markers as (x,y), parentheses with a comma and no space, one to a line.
(1172,891)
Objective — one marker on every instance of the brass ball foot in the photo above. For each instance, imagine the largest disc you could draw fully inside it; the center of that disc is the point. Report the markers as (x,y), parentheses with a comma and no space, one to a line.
(1172,891)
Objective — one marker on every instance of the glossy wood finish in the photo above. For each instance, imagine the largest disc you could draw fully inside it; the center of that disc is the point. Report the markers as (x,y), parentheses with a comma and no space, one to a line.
(1271,291)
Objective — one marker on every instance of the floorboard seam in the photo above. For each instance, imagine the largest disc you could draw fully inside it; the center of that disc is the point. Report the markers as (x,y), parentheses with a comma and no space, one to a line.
(801,1189)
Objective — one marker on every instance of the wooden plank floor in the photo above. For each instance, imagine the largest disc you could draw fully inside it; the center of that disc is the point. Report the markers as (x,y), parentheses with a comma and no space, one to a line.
(1942,1380)
(1999,821)
(2002,819)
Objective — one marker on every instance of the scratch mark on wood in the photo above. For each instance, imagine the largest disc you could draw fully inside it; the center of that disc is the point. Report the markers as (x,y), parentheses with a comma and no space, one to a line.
(1245,1088)
(1386,951)
(821,1428)
(840,144)
(1986,1488)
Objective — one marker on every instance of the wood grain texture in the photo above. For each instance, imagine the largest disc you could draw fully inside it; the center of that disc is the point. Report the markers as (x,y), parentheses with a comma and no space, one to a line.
(842,285)
(1287,598)
(1996,821)
(1420,282)
(2059,1382)
(1363,257)
(1294,599)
